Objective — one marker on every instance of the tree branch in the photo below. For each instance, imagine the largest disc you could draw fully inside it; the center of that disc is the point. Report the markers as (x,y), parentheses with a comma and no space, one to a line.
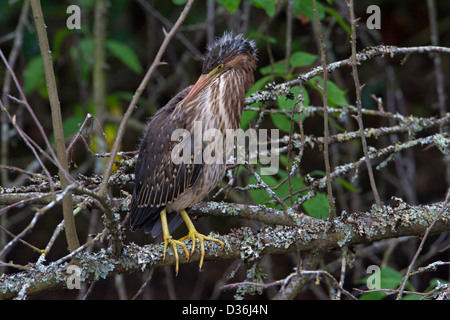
(309,235)
(274,91)
(359,107)
(71,232)
(326,131)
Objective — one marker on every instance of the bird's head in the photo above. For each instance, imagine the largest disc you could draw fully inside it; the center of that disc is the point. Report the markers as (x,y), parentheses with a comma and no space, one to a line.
(226,53)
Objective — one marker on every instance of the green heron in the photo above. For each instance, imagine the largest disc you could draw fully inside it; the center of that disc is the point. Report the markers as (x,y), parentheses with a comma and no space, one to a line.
(165,188)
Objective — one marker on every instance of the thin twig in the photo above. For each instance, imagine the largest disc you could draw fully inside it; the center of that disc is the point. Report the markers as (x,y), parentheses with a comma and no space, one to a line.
(137,95)
(274,91)
(358,104)
(17,239)
(335,284)
(99,78)
(30,144)
(325,114)
(281,282)
(440,87)
(419,249)
(264,186)
(289,18)
(55,235)
(169,25)
(13,55)
(343,269)
(80,249)
(144,284)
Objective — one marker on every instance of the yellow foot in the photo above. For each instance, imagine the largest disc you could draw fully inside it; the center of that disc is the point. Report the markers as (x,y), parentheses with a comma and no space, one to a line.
(194,235)
(168,239)
(174,244)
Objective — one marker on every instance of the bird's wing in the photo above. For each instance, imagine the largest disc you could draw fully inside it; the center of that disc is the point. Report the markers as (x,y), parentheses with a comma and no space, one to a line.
(160,181)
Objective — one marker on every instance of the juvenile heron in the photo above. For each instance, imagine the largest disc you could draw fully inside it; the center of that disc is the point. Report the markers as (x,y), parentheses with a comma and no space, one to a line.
(165,188)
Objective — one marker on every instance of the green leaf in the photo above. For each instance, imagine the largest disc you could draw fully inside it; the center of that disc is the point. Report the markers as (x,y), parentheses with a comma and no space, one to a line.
(125,54)
(300,59)
(260,196)
(58,40)
(231,5)
(34,74)
(434,282)
(284,103)
(71,125)
(179,2)
(258,85)
(86,48)
(278,68)
(412,297)
(267,5)
(372,296)
(334,93)
(247,116)
(317,207)
(389,279)
(307,8)
(281,121)
(284,190)
(339,20)
(347,185)
(88,4)
(287,104)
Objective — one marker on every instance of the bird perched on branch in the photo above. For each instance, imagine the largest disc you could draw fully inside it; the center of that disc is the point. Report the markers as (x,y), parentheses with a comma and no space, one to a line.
(165,188)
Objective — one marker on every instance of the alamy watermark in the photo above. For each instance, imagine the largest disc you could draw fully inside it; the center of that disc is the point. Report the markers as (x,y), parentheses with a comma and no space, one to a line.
(74,20)
(373,281)
(73,280)
(232,146)
(374,20)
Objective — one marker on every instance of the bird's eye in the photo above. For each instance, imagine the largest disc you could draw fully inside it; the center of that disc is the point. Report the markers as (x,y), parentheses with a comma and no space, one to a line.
(216,69)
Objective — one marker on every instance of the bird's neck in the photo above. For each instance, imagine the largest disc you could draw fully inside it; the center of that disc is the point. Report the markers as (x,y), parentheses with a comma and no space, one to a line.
(227,95)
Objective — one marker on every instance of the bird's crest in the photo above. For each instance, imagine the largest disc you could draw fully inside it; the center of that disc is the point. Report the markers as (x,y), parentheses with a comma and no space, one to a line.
(225,48)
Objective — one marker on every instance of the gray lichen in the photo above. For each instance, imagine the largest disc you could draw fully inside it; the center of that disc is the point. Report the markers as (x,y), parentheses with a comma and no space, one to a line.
(95,266)
(307,235)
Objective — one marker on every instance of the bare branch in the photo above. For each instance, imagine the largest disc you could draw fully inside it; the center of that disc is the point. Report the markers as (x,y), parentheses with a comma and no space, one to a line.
(358,105)
(71,232)
(325,114)
(419,249)
(274,91)
(244,243)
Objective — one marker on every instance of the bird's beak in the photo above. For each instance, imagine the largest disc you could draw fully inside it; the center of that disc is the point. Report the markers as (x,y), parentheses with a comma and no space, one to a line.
(202,82)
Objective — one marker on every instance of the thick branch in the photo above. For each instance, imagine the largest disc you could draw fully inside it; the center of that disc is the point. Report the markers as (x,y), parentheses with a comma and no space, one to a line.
(308,235)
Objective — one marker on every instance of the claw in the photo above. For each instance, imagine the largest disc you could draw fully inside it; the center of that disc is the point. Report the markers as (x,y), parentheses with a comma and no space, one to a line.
(168,239)
(194,235)
(174,244)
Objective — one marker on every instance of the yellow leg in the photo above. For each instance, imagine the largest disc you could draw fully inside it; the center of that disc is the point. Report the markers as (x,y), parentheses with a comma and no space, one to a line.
(168,239)
(194,234)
